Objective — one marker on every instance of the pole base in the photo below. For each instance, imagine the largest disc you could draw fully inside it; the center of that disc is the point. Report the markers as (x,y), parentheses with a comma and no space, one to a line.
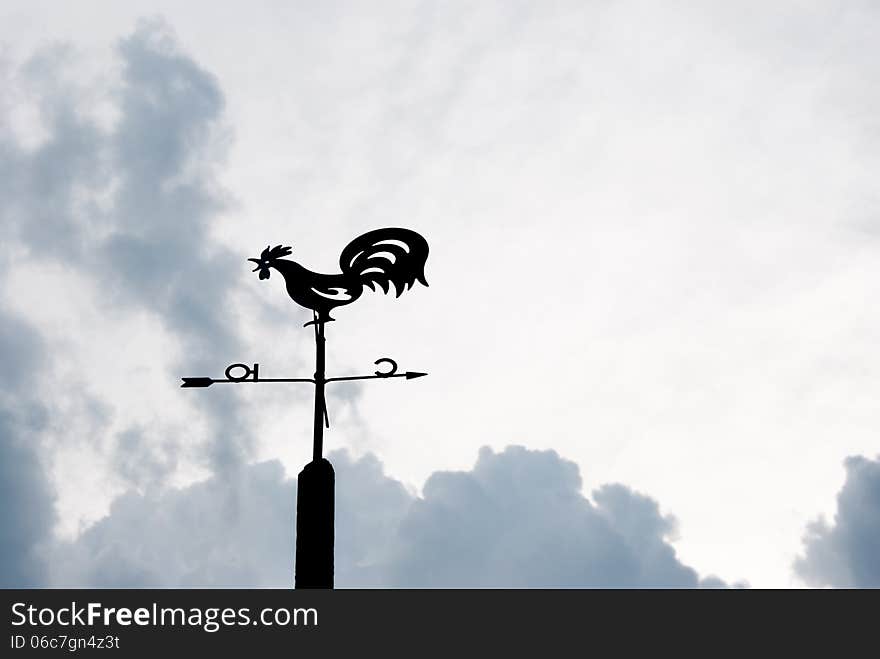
(315,525)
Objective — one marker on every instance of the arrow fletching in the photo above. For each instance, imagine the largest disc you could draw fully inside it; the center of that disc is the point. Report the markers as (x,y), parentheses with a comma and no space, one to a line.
(196,382)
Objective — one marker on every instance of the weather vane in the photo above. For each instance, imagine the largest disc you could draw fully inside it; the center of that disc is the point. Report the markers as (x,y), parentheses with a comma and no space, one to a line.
(384,257)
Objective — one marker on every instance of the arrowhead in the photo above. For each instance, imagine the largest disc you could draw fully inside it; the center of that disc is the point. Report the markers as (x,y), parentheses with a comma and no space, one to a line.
(196,382)
(412,375)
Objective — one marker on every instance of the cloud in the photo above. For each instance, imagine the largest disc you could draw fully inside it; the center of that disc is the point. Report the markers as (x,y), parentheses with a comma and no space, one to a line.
(517,519)
(127,201)
(845,554)
(213,533)
(26,498)
(118,191)
(690,249)
(166,147)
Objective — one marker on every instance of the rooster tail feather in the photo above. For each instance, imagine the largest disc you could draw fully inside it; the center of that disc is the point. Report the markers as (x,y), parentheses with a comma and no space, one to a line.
(386,257)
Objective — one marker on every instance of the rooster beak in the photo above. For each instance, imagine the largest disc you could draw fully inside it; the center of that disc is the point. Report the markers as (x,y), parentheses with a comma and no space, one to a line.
(262,267)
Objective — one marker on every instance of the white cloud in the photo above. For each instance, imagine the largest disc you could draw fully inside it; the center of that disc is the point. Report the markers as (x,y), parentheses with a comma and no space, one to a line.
(844,554)
(651,229)
(26,498)
(517,519)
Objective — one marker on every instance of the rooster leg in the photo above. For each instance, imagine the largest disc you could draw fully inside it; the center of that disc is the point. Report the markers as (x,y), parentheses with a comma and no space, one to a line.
(317,318)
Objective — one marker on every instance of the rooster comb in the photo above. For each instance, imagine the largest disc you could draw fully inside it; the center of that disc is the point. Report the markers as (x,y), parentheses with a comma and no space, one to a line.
(271,253)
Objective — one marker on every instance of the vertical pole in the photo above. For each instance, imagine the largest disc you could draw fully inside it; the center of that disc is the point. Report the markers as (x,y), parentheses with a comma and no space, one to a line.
(315,495)
(320,404)
(314,525)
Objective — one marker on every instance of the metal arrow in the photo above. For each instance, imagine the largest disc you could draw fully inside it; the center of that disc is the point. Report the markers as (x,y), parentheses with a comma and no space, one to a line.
(409,375)
(207,382)
(251,374)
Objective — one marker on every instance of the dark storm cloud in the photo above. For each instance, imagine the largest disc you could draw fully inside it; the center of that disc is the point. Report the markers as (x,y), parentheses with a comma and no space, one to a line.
(516,519)
(40,206)
(214,533)
(141,462)
(127,204)
(219,533)
(130,206)
(164,148)
(847,553)
(149,246)
(26,499)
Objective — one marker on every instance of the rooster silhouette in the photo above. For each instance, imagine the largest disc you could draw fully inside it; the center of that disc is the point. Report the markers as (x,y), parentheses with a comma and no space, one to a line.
(382,257)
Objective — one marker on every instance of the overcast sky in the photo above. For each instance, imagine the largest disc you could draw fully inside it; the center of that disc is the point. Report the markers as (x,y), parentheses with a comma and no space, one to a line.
(650,327)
